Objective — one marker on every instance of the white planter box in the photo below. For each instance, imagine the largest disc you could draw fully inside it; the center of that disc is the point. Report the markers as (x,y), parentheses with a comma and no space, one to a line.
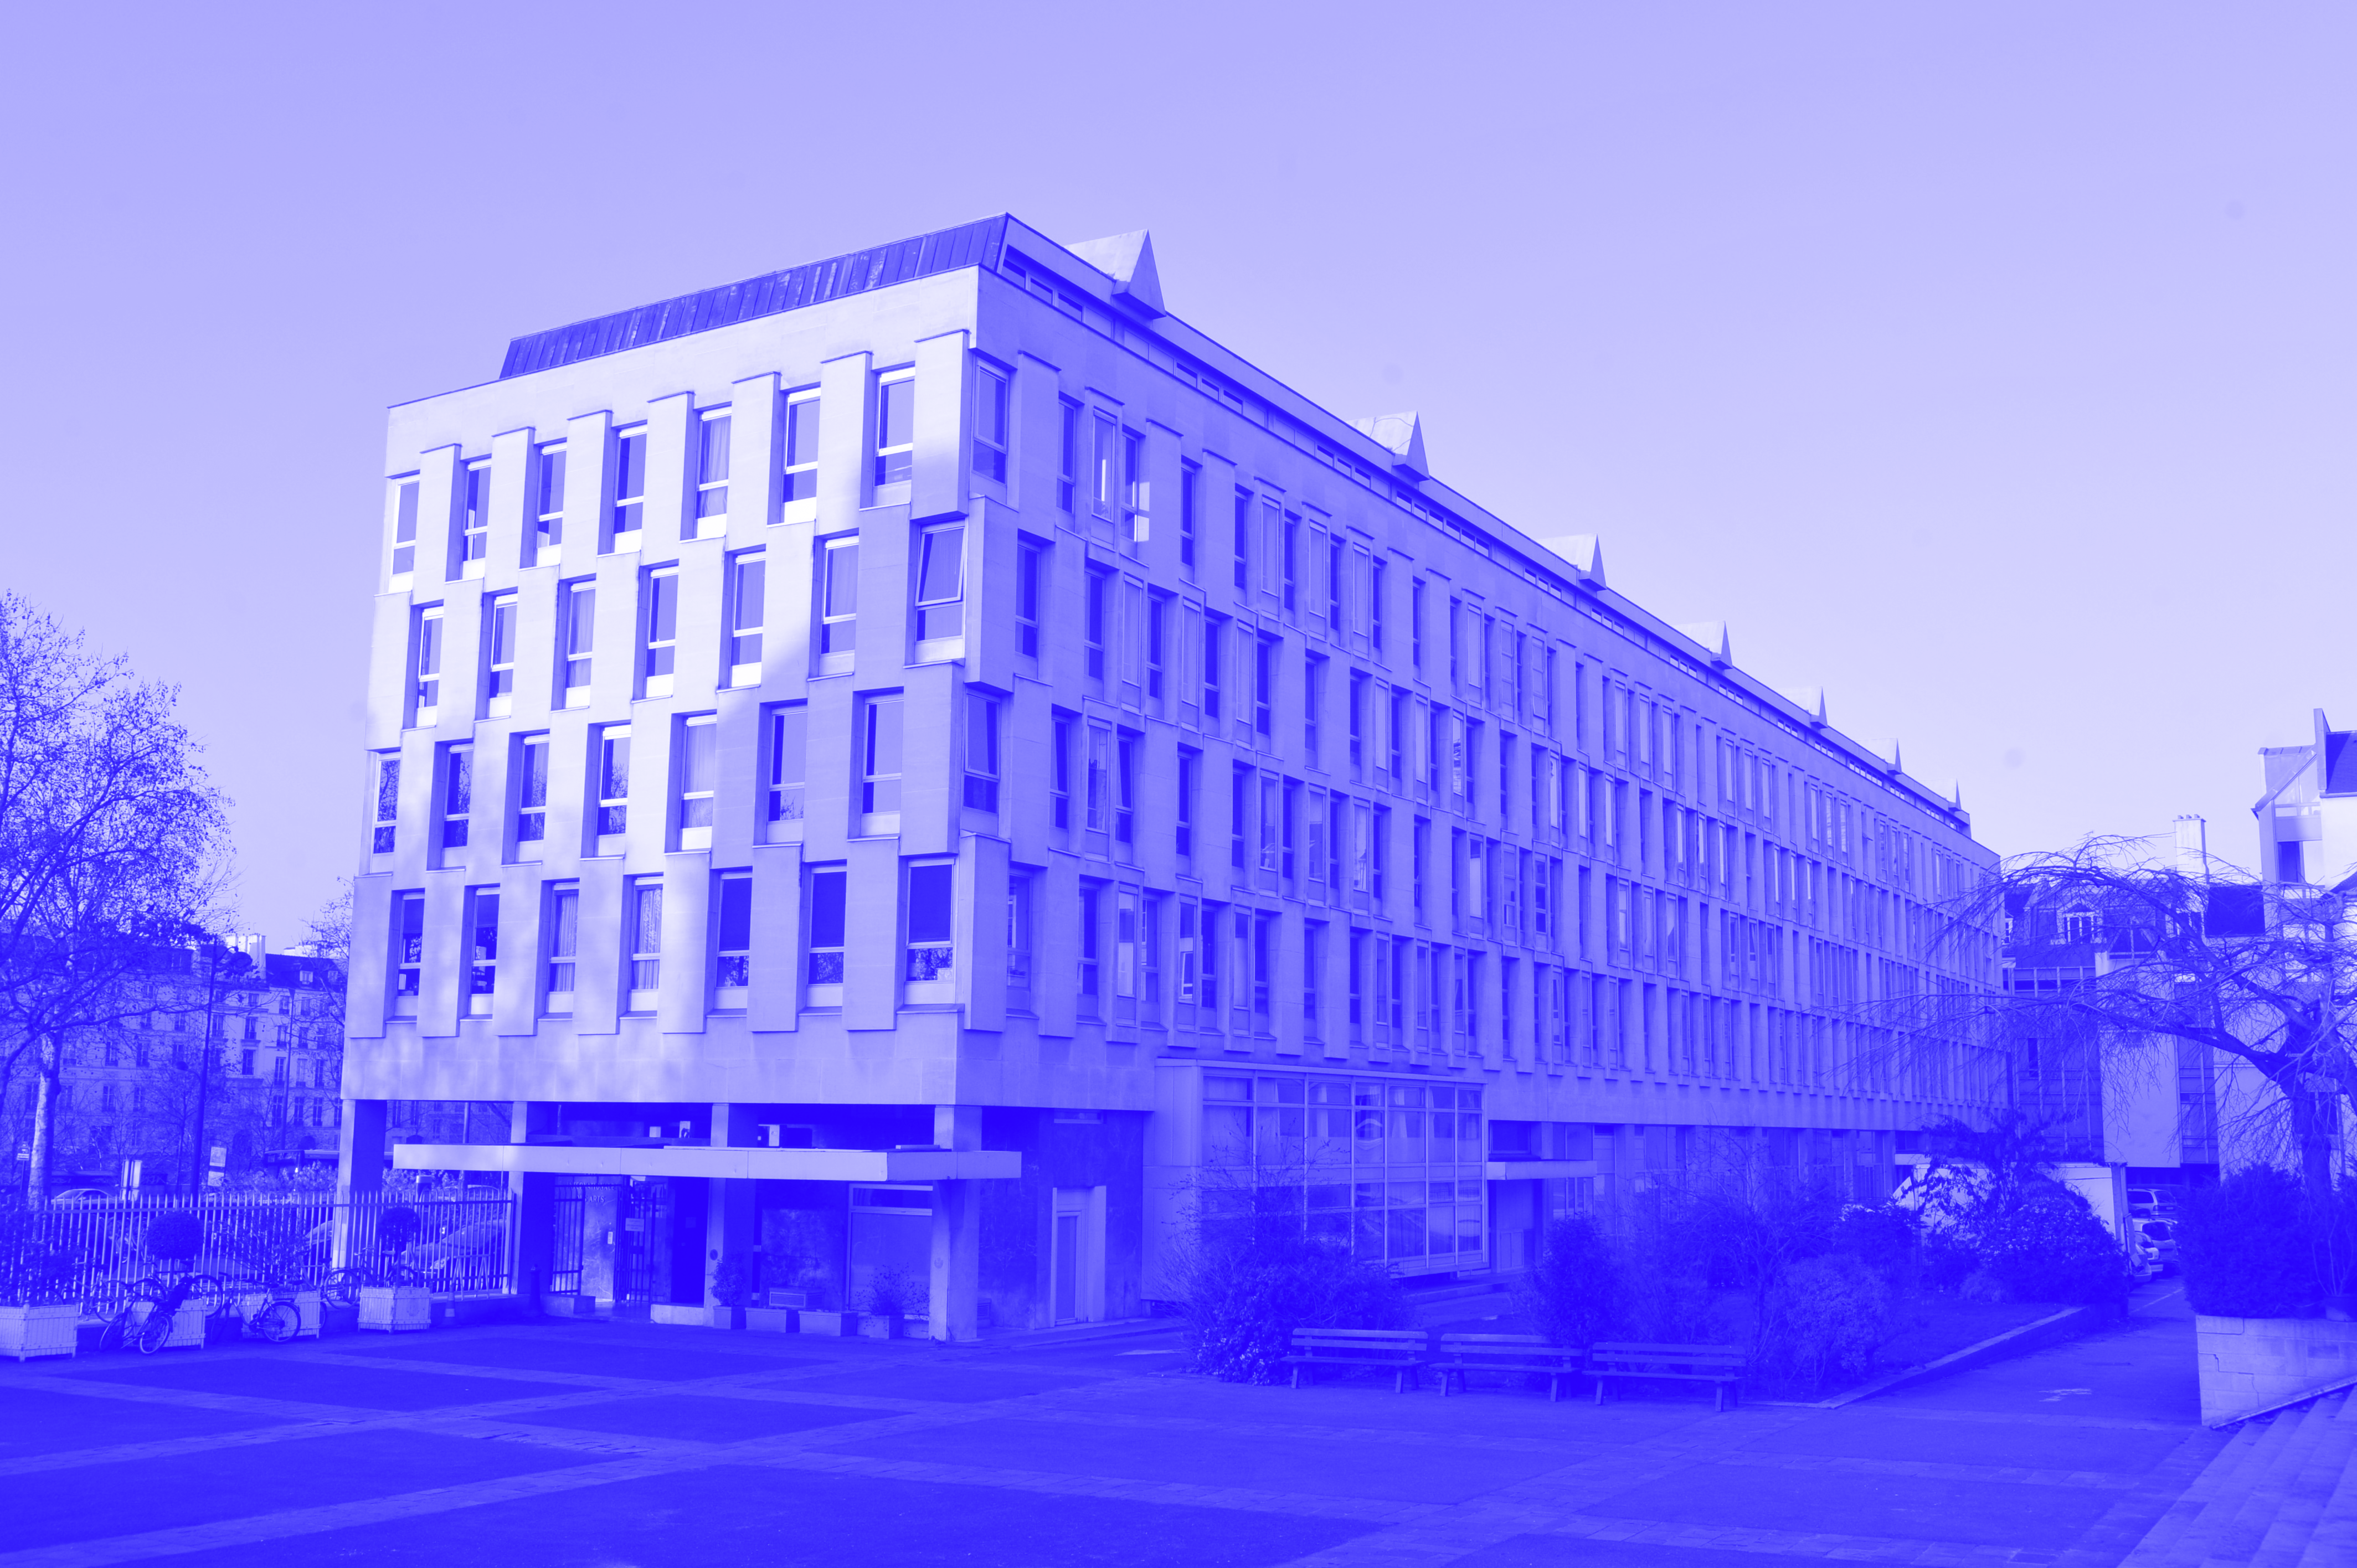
(397,1309)
(188,1324)
(2251,1364)
(306,1309)
(26,1331)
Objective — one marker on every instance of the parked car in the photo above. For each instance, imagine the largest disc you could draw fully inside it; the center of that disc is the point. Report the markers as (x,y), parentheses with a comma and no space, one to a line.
(2152,1222)
(73,1196)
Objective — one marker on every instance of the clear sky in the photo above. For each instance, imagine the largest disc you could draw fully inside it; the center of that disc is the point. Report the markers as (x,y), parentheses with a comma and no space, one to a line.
(1989,365)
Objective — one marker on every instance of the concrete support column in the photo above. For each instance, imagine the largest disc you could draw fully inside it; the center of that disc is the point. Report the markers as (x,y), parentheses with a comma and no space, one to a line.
(732,1224)
(535,1195)
(362,1145)
(957,1126)
(957,1261)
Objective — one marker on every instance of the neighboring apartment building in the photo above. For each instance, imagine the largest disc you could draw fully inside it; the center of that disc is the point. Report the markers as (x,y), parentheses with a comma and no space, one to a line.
(129,1097)
(2307,818)
(925,764)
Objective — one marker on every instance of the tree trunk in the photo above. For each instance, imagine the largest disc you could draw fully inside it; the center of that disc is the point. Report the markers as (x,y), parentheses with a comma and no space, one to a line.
(45,1122)
(2312,1116)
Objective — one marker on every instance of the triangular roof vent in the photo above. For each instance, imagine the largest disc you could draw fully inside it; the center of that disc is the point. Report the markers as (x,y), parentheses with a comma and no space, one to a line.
(1712,634)
(1129,260)
(1401,435)
(1586,553)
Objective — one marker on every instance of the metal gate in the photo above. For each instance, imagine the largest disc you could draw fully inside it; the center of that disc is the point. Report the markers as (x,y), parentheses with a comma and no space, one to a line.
(642,1247)
(567,1217)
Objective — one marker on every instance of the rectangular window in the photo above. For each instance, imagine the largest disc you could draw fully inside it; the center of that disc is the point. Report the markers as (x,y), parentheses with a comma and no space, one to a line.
(826,909)
(1215,638)
(1059,772)
(1313,703)
(642,939)
(388,803)
(838,602)
(1068,453)
(802,447)
(1158,638)
(990,412)
(1104,453)
(1189,768)
(789,728)
(747,613)
(712,471)
(1375,605)
(1189,484)
(548,497)
(1027,565)
(499,652)
(1264,687)
(408,948)
(1091,979)
(981,752)
(1416,624)
(532,789)
(1096,614)
(699,771)
(732,940)
(577,638)
(474,517)
(1289,553)
(1244,540)
(1124,810)
(458,793)
(932,955)
(662,631)
(1097,803)
(1135,493)
(1018,941)
(940,585)
(629,489)
(482,948)
(879,755)
(613,808)
(426,668)
(896,429)
(564,946)
(405,528)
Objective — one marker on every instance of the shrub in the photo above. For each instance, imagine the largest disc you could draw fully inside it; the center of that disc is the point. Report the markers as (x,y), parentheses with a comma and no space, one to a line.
(891,1294)
(736,1278)
(397,1227)
(2048,1245)
(1573,1295)
(1825,1319)
(1886,1237)
(2248,1247)
(1241,1301)
(175,1234)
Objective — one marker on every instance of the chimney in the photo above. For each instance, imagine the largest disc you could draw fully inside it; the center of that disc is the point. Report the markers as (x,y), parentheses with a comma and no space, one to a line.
(2192,846)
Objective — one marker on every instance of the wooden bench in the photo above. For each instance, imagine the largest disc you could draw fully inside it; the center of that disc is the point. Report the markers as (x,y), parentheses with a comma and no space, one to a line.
(1719,1364)
(1399,1350)
(1461,1354)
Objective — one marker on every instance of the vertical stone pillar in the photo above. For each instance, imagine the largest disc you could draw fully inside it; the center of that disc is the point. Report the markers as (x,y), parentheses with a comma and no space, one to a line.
(535,1212)
(359,1166)
(956,1282)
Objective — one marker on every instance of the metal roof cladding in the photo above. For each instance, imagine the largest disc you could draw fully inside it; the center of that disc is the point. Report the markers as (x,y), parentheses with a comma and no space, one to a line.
(813,282)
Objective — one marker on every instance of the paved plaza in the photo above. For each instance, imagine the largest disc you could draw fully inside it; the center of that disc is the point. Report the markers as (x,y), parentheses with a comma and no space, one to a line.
(582,1445)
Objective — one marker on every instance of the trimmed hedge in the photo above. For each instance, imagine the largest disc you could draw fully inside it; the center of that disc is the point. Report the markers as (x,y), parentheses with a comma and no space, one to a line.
(2250,1246)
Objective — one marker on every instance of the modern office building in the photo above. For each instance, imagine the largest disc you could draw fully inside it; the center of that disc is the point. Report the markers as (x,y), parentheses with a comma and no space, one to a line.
(925,765)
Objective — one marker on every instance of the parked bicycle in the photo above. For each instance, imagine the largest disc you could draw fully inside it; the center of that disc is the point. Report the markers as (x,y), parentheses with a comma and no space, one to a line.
(342,1287)
(149,1331)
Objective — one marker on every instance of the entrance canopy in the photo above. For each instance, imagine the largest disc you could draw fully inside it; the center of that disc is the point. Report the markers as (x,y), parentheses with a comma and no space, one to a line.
(754,1163)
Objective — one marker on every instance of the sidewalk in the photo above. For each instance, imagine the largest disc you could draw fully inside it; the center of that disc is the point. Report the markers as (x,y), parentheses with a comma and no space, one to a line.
(598,1445)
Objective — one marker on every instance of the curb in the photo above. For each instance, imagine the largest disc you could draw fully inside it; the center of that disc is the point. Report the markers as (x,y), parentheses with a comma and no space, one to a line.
(2053,1329)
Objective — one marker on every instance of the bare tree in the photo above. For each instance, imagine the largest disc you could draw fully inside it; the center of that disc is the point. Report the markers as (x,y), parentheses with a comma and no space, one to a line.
(2264,975)
(112,850)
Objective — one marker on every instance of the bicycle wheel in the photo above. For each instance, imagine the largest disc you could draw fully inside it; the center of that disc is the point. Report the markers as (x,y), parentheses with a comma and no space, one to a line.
(403,1274)
(278,1323)
(156,1327)
(116,1335)
(342,1287)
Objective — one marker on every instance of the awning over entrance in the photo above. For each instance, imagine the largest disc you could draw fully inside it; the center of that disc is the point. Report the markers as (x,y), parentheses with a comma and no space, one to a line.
(757,1163)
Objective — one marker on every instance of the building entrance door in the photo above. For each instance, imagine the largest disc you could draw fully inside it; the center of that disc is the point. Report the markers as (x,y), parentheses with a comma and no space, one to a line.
(1076,1256)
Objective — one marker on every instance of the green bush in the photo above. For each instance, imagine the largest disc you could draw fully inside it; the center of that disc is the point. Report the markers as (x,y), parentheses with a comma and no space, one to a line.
(2048,1245)
(736,1278)
(397,1227)
(1886,1237)
(1825,1320)
(1241,1301)
(2249,1246)
(1574,1294)
(175,1235)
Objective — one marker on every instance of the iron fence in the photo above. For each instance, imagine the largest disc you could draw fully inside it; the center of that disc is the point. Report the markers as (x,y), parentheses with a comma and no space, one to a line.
(461,1246)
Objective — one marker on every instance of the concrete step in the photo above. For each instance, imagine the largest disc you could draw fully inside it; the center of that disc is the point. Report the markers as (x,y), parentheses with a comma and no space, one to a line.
(2153,1550)
(2205,1529)
(2286,1537)
(2263,1502)
(2332,1542)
